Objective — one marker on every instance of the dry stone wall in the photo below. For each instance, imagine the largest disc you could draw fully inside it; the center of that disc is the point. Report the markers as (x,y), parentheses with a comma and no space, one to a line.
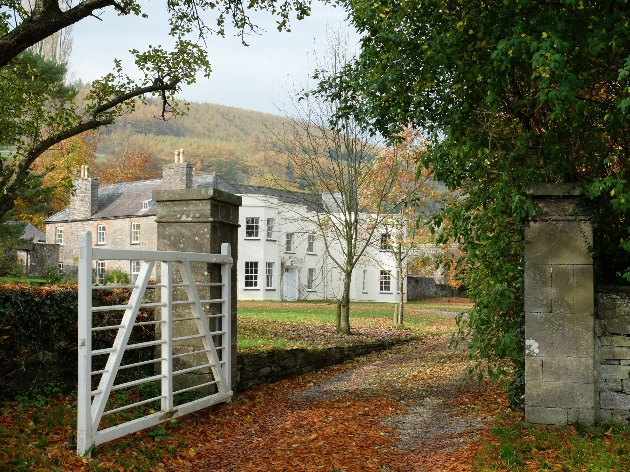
(612,330)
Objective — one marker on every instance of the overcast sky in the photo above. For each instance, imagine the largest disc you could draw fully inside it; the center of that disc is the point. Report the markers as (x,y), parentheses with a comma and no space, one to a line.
(254,77)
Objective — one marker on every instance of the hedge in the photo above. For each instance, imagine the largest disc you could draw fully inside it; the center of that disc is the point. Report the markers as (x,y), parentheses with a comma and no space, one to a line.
(38,334)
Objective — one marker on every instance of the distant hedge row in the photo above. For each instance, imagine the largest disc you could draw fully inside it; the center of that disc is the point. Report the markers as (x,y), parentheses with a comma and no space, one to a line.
(38,334)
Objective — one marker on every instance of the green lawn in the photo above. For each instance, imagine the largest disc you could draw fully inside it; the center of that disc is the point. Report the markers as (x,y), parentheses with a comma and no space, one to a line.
(268,325)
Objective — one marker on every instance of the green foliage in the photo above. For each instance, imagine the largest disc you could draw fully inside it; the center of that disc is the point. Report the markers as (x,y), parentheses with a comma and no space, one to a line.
(38,335)
(116,277)
(510,93)
(36,108)
(52,275)
(10,238)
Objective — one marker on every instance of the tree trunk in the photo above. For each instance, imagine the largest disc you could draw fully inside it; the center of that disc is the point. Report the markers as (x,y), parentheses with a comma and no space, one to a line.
(401,299)
(338,320)
(345,306)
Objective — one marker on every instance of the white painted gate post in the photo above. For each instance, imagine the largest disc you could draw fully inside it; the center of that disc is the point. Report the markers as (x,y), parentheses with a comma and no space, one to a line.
(167,335)
(226,310)
(84,388)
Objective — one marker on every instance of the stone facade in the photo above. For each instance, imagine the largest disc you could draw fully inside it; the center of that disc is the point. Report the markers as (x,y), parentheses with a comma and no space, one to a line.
(559,312)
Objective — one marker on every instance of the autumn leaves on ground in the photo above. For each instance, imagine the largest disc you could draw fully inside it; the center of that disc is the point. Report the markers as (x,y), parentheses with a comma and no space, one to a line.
(407,409)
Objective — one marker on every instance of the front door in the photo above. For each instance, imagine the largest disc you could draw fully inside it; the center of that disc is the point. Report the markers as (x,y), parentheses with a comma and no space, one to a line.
(290,283)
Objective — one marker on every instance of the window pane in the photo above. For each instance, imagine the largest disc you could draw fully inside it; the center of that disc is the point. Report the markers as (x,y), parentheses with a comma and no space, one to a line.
(251,274)
(310,279)
(385,281)
(135,270)
(289,243)
(135,232)
(59,235)
(270,227)
(100,234)
(311,243)
(269,275)
(100,271)
(251,227)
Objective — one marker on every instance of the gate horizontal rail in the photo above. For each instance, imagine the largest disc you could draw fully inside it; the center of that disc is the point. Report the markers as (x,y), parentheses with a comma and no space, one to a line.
(92,402)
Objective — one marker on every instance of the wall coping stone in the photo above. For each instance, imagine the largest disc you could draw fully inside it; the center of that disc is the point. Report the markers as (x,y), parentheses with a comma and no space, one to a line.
(197,194)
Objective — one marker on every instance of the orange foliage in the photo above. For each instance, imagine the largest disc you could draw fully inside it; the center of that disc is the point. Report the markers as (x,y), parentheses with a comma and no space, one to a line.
(128,166)
(57,166)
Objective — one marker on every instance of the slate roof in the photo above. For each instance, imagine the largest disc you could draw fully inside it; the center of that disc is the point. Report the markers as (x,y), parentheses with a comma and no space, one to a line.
(126,199)
(31,233)
(312,201)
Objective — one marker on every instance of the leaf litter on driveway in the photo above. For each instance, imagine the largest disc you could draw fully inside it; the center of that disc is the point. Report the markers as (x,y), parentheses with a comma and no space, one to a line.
(406,409)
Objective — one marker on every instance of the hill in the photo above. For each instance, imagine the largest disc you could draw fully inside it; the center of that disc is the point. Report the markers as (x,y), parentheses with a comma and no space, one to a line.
(231,141)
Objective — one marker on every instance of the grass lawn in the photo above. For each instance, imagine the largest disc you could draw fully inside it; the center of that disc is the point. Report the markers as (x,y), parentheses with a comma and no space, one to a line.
(283,325)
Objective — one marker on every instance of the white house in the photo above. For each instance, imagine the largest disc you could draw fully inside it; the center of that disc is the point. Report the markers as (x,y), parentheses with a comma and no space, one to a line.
(280,254)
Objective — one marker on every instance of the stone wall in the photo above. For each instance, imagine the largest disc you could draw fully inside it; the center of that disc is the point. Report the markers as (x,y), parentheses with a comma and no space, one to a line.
(40,257)
(419,287)
(272,366)
(612,329)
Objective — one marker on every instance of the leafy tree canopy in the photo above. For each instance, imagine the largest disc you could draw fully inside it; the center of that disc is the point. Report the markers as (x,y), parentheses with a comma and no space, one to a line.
(512,92)
(36,109)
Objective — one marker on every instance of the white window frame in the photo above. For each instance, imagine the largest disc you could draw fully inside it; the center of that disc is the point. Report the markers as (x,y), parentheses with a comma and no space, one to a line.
(60,267)
(135,232)
(385,282)
(269,269)
(100,272)
(100,234)
(386,243)
(365,284)
(271,225)
(289,242)
(251,275)
(134,270)
(310,248)
(252,227)
(59,235)
(310,280)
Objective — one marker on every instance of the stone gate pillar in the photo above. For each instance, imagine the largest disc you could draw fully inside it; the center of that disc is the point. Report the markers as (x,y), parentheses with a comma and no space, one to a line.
(200,220)
(559,311)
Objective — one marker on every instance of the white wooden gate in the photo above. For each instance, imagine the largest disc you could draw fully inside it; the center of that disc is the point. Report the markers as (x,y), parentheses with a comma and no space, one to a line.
(91,403)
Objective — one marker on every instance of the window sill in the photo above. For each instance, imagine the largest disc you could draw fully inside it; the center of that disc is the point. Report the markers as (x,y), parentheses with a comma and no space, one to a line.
(251,288)
(272,240)
(311,253)
(311,290)
(270,289)
(364,292)
(135,244)
(252,238)
(289,252)
(386,293)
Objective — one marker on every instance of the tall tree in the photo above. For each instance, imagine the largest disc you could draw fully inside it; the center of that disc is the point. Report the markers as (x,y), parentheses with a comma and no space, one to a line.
(36,110)
(411,199)
(52,176)
(335,162)
(512,92)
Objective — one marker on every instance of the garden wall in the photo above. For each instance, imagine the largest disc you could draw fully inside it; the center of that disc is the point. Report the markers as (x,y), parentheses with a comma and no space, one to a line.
(272,366)
(612,341)
(420,287)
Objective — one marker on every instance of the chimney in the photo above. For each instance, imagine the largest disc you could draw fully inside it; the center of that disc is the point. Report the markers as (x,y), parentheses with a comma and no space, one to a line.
(84,201)
(179,174)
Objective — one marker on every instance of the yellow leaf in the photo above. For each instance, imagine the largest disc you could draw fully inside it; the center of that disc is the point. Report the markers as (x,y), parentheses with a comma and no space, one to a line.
(544,35)
(612,192)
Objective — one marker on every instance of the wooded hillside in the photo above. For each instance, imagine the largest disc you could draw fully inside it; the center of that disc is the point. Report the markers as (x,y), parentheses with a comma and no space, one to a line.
(218,138)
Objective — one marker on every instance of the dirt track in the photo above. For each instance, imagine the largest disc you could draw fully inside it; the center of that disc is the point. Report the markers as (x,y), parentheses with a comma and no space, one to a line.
(407,409)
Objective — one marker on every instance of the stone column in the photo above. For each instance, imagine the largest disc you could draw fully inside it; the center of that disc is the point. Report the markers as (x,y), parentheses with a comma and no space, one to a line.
(199,220)
(559,311)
